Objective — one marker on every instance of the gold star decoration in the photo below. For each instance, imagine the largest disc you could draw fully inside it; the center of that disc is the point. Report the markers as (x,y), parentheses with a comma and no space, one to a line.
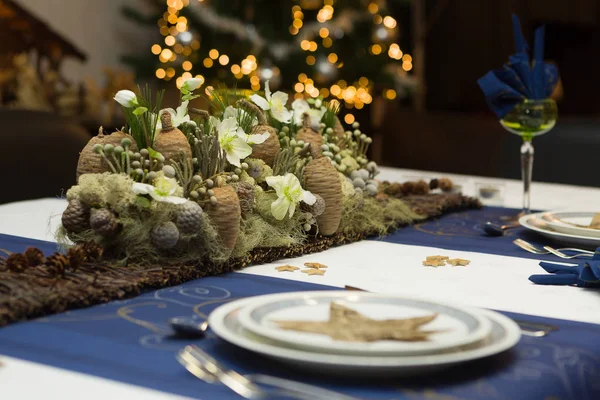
(315,265)
(312,271)
(437,258)
(349,325)
(459,261)
(434,263)
(289,268)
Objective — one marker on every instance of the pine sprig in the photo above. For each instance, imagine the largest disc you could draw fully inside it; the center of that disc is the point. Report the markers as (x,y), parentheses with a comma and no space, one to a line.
(142,120)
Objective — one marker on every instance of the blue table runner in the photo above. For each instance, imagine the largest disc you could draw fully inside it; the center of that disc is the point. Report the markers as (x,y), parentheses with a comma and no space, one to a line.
(130,341)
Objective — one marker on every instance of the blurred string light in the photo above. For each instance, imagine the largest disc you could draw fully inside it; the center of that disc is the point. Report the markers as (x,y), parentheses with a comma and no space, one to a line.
(180,43)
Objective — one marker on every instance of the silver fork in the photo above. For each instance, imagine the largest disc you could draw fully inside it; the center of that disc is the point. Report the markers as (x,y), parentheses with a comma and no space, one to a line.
(206,368)
(549,250)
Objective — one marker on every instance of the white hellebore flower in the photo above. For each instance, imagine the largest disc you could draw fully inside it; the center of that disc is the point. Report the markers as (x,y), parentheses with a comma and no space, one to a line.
(233,140)
(126,98)
(275,103)
(178,116)
(301,106)
(289,194)
(162,190)
(238,114)
(192,84)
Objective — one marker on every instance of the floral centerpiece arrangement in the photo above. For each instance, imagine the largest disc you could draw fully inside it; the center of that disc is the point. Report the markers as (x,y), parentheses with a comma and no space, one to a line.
(182,193)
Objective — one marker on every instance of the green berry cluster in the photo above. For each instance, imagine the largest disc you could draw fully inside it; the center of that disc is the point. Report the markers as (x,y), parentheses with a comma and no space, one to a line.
(140,166)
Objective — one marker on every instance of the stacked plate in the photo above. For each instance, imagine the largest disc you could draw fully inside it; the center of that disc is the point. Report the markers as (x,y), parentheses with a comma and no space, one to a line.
(564,226)
(462,334)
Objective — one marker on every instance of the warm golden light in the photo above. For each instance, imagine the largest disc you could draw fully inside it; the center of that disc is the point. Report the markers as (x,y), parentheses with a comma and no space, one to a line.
(293,30)
(181,27)
(195,44)
(160,73)
(186,65)
(349,118)
(376,49)
(377,19)
(299,87)
(166,54)
(208,62)
(254,80)
(170,40)
(327,42)
(390,94)
(172,19)
(298,14)
(323,32)
(310,60)
(186,76)
(302,77)
(297,23)
(156,49)
(336,90)
(324,92)
(305,45)
(389,22)
(363,81)
(407,66)
(214,54)
(332,58)
(373,8)
(407,58)
(235,69)
(224,59)
(170,72)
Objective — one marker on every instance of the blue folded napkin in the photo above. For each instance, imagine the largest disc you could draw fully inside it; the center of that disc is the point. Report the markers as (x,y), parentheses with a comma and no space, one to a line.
(586,274)
(519,79)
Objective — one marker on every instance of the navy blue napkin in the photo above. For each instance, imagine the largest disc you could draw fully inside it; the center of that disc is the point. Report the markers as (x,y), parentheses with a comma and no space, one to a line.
(586,274)
(519,79)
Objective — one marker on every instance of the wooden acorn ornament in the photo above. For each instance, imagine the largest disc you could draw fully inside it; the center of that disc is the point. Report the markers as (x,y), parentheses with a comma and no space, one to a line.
(226,215)
(308,135)
(170,141)
(91,162)
(268,149)
(321,178)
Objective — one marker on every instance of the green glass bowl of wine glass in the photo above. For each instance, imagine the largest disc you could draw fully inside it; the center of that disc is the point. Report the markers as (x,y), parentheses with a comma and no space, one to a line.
(531,118)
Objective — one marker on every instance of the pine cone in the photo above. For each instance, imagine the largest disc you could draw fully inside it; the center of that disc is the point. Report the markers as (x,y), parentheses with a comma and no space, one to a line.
(104,222)
(34,256)
(317,208)
(76,256)
(434,184)
(245,192)
(165,235)
(445,184)
(92,250)
(17,262)
(57,263)
(189,217)
(76,217)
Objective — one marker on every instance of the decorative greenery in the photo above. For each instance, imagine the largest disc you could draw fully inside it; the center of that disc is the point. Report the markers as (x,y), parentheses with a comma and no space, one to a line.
(142,120)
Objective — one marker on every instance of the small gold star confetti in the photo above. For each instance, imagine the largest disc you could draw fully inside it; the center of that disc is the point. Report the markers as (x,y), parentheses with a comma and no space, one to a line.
(459,261)
(315,265)
(289,268)
(349,325)
(313,271)
(437,258)
(434,263)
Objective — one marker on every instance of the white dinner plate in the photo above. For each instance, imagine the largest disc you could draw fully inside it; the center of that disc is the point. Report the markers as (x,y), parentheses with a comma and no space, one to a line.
(534,222)
(225,324)
(571,223)
(455,326)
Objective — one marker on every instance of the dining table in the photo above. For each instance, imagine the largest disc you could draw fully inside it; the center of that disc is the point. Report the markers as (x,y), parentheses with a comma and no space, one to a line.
(123,349)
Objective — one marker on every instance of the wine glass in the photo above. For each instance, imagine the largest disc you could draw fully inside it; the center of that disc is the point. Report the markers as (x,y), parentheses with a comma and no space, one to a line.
(529,119)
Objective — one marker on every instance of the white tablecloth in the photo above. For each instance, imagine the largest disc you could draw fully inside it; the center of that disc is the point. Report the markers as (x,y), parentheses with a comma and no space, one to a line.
(490,281)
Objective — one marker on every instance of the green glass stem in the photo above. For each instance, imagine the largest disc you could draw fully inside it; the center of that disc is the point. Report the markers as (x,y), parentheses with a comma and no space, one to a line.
(527,153)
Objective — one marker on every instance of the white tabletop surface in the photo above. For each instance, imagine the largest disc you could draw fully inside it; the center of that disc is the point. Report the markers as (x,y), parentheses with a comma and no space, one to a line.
(391,268)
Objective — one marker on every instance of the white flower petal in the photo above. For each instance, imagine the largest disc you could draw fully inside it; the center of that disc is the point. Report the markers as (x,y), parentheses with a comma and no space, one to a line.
(292,208)
(175,200)
(308,197)
(257,138)
(260,101)
(126,98)
(279,208)
(182,110)
(141,188)
(267,91)
(230,112)
(277,182)
(279,98)
(192,84)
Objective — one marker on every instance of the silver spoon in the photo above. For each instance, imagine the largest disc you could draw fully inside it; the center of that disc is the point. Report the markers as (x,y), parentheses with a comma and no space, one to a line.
(186,327)
(498,230)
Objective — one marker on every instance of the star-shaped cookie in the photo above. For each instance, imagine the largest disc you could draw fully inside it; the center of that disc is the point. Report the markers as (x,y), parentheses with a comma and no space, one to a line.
(459,262)
(313,271)
(434,263)
(315,265)
(289,268)
(350,325)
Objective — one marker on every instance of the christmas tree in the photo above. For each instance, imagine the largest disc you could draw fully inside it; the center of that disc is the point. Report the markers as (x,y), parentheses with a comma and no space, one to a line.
(348,50)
